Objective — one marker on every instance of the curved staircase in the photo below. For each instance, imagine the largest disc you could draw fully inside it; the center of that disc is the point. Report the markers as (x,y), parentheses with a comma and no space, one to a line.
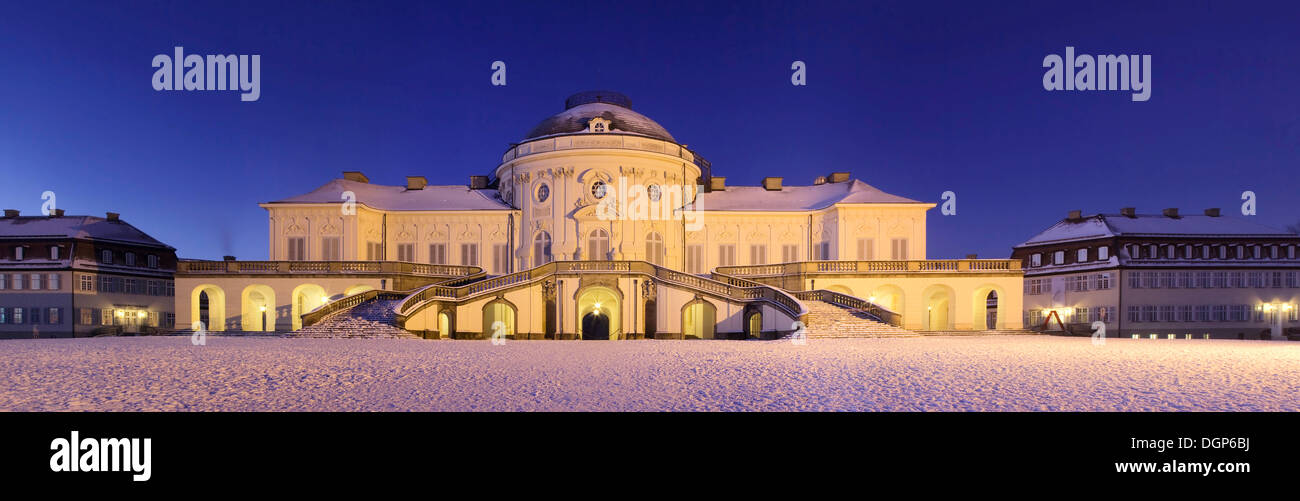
(372,319)
(827,320)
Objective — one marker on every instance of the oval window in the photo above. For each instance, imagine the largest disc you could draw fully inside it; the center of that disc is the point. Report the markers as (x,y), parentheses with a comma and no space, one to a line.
(543,193)
(654,192)
(598,189)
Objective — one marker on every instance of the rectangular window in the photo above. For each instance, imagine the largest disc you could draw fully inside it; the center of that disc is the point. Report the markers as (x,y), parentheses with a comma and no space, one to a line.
(130,259)
(18,316)
(4,281)
(1184,313)
(18,253)
(866,249)
(1277,278)
(374,251)
(1103,281)
(695,259)
(129,286)
(500,259)
(1166,313)
(1081,316)
(53,316)
(4,315)
(87,316)
(53,282)
(758,254)
(106,316)
(406,252)
(153,261)
(1135,280)
(1036,260)
(727,255)
(86,282)
(1103,253)
(822,251)
(438,253)
(1081,256)
(54,253)
(36,281)
(1202,313)
(1134,314)
(105,284)
(1219,313)
(1291,280)
(1058,257)
(1185,280)
(469,254)
(169,288)
(155,288)
(1235,280)
(106,256)
(297,249)
(789,253)
(898,249)
(1149,313)
(331,248)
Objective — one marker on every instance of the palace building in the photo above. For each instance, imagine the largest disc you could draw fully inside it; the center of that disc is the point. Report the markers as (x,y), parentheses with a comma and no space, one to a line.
(599,224)
(1162,275)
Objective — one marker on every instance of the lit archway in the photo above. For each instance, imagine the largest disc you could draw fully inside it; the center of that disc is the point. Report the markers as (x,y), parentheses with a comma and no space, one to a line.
(258,309)
(754,324)
(889,297)
(842,289)
(699,318)
(599,307)
(305,298)
(444,325)
(208,305)
(357,289)
(499,310)
(939,308)
(987,309)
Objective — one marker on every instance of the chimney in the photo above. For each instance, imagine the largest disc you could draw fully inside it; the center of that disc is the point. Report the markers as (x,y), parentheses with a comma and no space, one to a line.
(416,182)
(1171,212)
(772,183)
(819,180)
(227,258)
(113,216)
(1212,212)
(353,175)
(478,182)
(972,256)
(1128,212)
(1075,215)
(56,212)
(11,213)
(717,183)
(838,177)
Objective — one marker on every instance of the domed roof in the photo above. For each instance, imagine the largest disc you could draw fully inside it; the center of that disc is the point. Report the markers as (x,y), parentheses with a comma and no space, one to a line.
(583,106)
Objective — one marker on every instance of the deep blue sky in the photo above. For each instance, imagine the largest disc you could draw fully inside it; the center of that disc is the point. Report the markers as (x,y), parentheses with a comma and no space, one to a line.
(913,97)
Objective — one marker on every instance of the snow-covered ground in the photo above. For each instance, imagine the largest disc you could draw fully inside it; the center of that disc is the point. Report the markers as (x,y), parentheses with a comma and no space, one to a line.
(937,374)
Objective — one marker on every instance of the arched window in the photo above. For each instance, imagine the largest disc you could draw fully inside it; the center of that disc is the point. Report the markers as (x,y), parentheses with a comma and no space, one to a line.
(598,245)
(654,248)
(542,249)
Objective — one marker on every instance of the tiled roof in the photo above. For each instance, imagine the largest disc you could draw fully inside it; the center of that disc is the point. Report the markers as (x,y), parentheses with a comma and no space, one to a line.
(399,198)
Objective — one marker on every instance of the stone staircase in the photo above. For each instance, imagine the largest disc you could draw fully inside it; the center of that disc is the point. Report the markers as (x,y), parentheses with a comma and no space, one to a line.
(373,319)
(826,320)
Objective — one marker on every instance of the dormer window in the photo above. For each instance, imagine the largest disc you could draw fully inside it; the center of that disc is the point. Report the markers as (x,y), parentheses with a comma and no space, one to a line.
(598,125)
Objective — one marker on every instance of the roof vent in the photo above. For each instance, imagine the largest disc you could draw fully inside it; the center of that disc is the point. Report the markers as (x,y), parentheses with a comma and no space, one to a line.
(972,256)
(478,182)
(1128,212)
(416,182)
(56,212)
(113,216)
(1212,212)
(1171,212)
(227,258)
(819,180)
(838,177)
(1075,215)
(353,175)
(772,183)
(11,213)
(717,183)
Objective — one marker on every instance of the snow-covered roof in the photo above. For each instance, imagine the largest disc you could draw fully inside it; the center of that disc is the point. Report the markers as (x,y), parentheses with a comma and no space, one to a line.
(621,119)
(79,227)
(1152,225)
(796,198)
(398,198)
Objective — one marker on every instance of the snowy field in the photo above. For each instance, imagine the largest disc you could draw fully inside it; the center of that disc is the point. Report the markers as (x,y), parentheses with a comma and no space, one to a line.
(933,374)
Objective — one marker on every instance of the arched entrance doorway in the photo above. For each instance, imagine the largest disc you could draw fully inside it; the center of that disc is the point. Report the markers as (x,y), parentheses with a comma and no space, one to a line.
(991,310)
(938,308)
(208,305)
(595,326)
(499,317)
(599,307)
(698,320)
(754,324)
(984,305)
(258,312)
(306,297)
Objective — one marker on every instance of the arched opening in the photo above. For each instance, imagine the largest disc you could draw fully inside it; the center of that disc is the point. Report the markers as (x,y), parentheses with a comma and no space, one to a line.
(938,308)
(499,318)
(654,248)
(444,325)
(598,245)
(541,248)
(984,304)
(754,324)
(357,289)
(698,320)
(595,326)
(208,305)
(258,312)
(889,297)
(606,303)
(651,319)
(306,297)
(840,289)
